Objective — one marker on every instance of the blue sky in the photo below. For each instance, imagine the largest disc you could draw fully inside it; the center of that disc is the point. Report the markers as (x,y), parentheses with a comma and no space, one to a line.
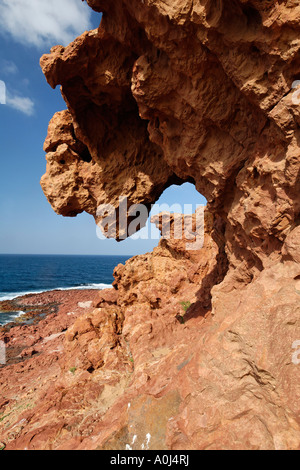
(29,28)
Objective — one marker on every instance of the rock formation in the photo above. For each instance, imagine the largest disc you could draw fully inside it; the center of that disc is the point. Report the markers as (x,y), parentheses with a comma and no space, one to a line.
(169,92)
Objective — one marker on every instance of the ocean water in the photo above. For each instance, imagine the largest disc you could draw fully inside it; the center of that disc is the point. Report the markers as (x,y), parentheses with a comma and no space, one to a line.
(26,274)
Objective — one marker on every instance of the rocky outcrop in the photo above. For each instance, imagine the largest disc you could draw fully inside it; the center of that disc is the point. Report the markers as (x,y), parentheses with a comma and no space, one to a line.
(107,152)
(191,350)
(85,371)
(196,91)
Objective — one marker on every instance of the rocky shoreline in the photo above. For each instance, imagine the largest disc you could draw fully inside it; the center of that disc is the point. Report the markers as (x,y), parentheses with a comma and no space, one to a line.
(33,309)
(78,375)
(39,310)
(191,350)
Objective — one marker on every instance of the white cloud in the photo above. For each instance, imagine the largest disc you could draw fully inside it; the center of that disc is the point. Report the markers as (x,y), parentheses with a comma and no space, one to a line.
(14,99)
(2,92)
(7,67)
(20,103)
(44,22)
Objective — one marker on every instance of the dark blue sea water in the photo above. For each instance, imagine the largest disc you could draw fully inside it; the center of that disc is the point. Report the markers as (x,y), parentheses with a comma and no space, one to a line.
(24,274)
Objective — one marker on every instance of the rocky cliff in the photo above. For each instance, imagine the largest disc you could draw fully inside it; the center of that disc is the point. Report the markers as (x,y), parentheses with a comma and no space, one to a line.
(168,92)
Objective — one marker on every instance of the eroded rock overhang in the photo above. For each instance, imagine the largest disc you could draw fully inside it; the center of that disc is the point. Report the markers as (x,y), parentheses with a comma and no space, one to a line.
(168,92)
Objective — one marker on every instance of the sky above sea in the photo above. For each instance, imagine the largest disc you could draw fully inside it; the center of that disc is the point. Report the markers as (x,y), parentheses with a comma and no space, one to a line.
(28,29)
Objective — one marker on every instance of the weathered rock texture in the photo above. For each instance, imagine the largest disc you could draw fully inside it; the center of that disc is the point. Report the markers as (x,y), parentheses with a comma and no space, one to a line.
(167,92)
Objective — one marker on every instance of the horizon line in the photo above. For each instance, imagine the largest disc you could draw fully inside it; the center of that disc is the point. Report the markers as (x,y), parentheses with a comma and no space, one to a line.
(60,254)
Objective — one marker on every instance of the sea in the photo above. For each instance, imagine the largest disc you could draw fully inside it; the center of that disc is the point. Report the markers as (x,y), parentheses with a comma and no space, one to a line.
(33,274)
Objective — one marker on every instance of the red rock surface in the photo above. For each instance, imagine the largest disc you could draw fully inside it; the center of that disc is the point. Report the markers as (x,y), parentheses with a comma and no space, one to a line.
(170,92)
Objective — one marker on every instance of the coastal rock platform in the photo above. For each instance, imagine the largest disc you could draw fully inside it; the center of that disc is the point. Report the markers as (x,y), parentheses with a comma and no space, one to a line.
(189,349)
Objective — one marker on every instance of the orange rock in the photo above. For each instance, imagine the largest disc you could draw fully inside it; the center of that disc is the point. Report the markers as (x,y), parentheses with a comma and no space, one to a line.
(192,350)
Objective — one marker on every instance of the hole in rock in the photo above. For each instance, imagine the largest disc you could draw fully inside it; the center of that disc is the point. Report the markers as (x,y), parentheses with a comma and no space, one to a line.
(175,199)
(182,199)
(86,156)
(255,49)
(253,15)
(255,173)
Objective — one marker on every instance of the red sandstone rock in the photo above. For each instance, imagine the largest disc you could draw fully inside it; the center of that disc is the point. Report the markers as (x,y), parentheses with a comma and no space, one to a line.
(170,92)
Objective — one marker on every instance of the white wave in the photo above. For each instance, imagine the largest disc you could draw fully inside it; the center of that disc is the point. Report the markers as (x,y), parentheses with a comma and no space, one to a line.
(14,295)
(18,314)
(10,318)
